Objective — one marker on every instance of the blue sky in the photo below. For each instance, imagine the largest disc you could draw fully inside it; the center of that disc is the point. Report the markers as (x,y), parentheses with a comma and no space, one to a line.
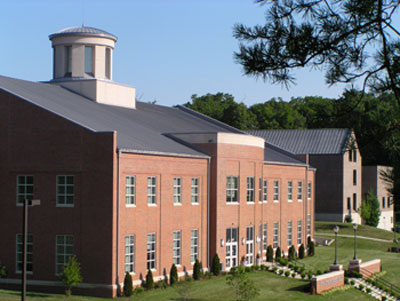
(167,49)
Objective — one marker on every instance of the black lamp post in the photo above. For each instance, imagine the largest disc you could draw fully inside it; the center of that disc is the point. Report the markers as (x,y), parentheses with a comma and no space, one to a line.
(355,241)
(336,230)
(27,203)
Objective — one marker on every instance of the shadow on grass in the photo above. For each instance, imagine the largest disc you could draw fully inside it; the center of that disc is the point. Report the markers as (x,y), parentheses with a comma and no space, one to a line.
(331,226)
(304,288)
(183,299)
(30,295)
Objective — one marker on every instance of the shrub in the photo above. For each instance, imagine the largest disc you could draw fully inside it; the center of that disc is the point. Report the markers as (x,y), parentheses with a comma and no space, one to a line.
(290,266)
(216,265)
(293,274)
(244,288)
(278,254)
(270,254)
(280,272)
(309,275)
(287,273)
(361,287)
(196,270)
(319,272)
(291,253)
(368,290)
(348,219)
(302,270)
(383,298)
(370,211)
(303,275)
(301,251)
(311,251)
(263,267)
(161,284)
(128,289)
(173,275)
(138,290)
(274,269)
(149,280)
(71,275)
(283,261)
(208,274)
(3,271)
(352,282)
(247,269)
(346,280)
(355,274)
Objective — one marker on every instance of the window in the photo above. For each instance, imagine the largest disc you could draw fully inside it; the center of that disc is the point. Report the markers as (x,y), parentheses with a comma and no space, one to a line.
(130,253)
(176,247)
(108,63)
(349,203)
(265,191)
(299,190)
(89,60)
(354,177)
(151,190)
(309,225)
(151,251)
(231,247)
(389,201)
(290,232)
(231,189)
(177,191)
(260,190)
(290,190)
(130,190)
(20,253)
(250,189)
(64,250)
(299,231)
(194,245)
(195,190)
(383,202)
(68,61)
(276,235)
(250,245)
(24,188)
(354,155)
(309,190)
(350,155)
(276,191)
(265,236)
(65,190)
(354,201)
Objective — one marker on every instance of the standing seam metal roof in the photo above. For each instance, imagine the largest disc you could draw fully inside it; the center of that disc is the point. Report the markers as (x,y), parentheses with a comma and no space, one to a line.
(83,31)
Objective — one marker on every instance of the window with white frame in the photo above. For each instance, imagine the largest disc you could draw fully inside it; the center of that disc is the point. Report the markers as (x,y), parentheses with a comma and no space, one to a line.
(265,236)
(309,225)
(299,190)
(299,231)
(265,191)
(194,245)
(260,190)
(130,190)
(231,189)
(151,251)
(130,253)
(176,247)
(290,190)
(151,190)
(20,253)
(309,187)
(250,189)
(290,233)
(24,188)
(65,190)
(177,190)
(195,190)
(276,191)
(276,235)
(64,250)
(250,245)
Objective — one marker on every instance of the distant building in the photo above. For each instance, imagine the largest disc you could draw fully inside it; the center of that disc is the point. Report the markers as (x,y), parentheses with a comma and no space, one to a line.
(129,186)
(372,180)
(335,155)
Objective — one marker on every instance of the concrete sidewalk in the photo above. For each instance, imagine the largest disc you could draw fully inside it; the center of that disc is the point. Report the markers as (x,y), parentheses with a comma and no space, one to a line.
(351,236)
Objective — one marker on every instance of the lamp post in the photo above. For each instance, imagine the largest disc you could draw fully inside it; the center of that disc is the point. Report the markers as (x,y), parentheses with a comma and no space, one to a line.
(355,241)
(394,235)
(336,230)
(27,203)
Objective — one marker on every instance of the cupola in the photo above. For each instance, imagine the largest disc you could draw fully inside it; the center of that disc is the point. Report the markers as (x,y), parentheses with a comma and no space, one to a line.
(82,62)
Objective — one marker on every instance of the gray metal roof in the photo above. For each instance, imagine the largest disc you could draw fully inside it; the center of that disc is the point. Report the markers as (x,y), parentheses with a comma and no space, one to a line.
(273,153)
(142,129)
(83,31)
(313,141)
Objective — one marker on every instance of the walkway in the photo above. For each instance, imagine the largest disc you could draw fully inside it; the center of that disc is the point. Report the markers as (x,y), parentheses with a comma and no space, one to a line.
(351,236)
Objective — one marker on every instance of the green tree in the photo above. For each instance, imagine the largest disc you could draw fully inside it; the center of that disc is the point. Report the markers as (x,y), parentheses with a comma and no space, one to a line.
(71,275)
(291,253)
(245,288)
(196,270)
(149,280)
(350,39)
(173,275)
(128,288)
(370,211)
(270,254)
(301,251)
(216,265)
(278,254)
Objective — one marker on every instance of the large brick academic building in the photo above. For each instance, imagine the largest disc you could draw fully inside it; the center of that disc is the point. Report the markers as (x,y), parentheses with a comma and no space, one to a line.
(128,186)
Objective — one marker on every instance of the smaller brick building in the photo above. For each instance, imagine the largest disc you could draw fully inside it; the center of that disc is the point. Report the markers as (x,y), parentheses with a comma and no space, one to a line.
(128,186)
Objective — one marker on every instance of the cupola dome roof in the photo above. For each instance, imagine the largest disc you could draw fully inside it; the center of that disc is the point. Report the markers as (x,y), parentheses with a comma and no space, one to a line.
(83,31)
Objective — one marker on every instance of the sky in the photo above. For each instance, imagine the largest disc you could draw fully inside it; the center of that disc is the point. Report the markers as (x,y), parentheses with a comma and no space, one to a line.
(167,49)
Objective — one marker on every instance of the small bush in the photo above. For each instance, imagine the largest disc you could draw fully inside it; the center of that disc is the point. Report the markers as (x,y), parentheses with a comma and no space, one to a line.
(348,219)
(293,274)
(352,282)
(302,270)
(309,275)
(149,280)
(274,269)
(361,287)
(383,298)
(138,290)
(355,274)
(296,268)
(263,267)
(287,273)
(319,272)
(160,284)
(196,270)
(216,265)
(290,265)
(283,261)
(270,254)
(291,253)
(278,254)
(368,290)
(280,272)
(3,271)
(247,269)
(301,251)
(311,251)
(346,280)
(128,288)
(303,275)
(173,275)
(208,275)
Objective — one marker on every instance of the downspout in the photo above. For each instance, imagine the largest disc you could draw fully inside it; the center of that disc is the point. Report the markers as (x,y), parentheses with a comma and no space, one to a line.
(118,200)
(208,211)
(306,201)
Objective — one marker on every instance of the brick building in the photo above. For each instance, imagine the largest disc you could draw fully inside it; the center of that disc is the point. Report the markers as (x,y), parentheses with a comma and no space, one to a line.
(128,186)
